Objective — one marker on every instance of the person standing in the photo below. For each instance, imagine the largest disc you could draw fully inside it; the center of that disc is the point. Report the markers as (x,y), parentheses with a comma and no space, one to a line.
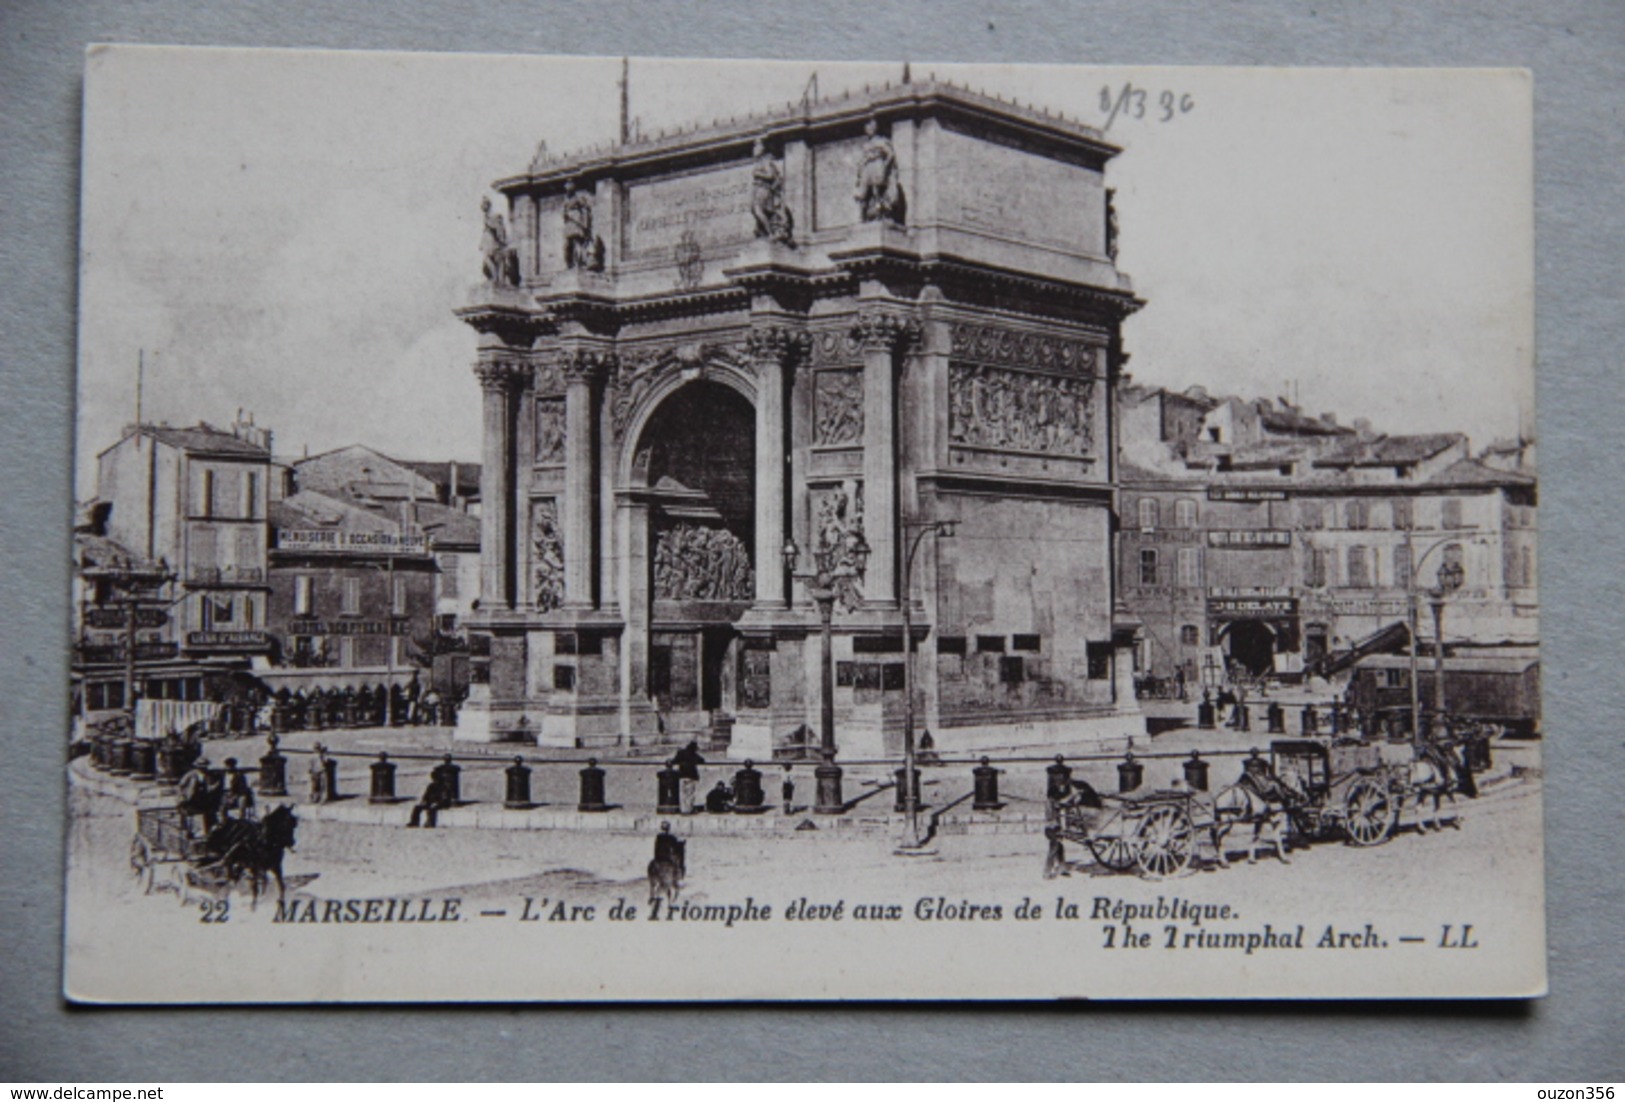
(787,791)
(319,793)
(239,797)
(198,795)
(688,762)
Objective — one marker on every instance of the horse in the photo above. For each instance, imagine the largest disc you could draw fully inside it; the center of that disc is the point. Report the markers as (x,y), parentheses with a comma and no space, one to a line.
(1264,806)
(666,875)
(1438,771)
(256,848)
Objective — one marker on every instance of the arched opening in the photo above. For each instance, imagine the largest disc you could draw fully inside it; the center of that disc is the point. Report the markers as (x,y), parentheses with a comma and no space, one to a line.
(1251,644)
(697,458)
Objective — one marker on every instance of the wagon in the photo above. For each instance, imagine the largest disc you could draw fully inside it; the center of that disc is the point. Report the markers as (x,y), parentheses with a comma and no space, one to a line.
(1345,788)
(1156,832)
(164,838)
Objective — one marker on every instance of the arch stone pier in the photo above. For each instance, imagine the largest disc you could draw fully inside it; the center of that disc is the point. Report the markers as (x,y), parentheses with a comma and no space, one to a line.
(703,383)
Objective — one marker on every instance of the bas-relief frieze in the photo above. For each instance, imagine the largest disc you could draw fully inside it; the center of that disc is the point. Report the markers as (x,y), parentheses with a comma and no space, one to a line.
(546,556)
(837,407)
(996,344)
(996,407)
(696,562)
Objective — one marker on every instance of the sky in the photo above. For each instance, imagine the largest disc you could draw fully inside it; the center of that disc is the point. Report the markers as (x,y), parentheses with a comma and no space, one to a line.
(288,232)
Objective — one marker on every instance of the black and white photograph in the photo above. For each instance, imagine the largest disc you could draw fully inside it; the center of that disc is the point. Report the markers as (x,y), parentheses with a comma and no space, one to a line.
(628,529)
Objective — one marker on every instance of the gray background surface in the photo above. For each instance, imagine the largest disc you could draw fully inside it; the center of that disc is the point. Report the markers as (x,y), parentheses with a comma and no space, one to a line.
(1577,52)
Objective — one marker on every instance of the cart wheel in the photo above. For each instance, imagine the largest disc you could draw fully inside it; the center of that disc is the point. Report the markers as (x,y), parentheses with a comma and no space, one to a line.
(1166,842)
(141,863)
(1113,852)
(1368,813)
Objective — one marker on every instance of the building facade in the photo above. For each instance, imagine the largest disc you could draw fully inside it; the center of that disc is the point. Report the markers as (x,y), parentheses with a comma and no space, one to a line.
(1259,540)
(720,363)
(194,501)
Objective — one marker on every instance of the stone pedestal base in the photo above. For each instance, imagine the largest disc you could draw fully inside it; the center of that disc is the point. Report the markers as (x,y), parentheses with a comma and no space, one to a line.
(481,719)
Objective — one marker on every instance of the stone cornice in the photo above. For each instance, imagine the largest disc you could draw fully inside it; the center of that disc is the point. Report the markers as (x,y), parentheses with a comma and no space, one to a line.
(885,331)
(515,326)
(504,374)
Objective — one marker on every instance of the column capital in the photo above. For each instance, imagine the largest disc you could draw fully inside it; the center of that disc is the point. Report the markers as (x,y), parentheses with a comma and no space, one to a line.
(881,331)
(503,375)
(777,344)
(585,365)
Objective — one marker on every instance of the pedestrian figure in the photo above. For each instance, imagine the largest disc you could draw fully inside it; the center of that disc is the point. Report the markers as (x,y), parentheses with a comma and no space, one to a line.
(1055,863)
(238,801)
(436,798)
(720,800)
(669,866)
(198,794)
(688,762)
(319,793)
(787,791)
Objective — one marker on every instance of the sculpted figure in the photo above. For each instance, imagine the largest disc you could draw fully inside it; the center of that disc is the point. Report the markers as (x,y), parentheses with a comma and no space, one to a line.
(582,249)
(767,206)
(879,192)
(501,259)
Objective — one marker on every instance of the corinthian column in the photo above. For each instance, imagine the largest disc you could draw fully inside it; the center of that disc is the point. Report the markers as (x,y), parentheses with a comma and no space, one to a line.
(882,337)
(499,569)
(772,349)
(582,369)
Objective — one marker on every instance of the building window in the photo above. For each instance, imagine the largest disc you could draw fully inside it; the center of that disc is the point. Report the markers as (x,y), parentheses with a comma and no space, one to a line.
(248,610)
(1190,635)
(206,505)
(1190,566)
(251,494)
(397,595)
(248,551)
(1402,566)
(448,575)
(1526,565)
(352,596)
(1357,514)
(218,610)
(1185,513)
(951,644)
(1148,512)
(1024,642)
(1359,567)
(1148,566)
(1311,514)
(1316,573)
(1450,511)
(1012,669)
(564,678)
(1100,661)
(1404,513)
(990,644)
(304,591)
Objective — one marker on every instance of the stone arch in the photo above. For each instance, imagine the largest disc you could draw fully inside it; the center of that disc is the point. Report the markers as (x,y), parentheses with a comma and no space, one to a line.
(656,380)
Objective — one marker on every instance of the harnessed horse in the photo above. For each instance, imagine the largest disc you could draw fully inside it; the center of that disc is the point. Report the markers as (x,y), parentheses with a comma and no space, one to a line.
(666,872)
(1440,772)
(256,848)
(1262,800)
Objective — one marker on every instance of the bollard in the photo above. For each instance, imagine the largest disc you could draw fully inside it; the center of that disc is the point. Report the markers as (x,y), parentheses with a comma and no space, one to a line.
(331,766)
(98,752)
(143,760)
(273,771)
(1275,716)
(1206,715)
(1129,773)
(828,777)
(383,781)
(518,794)
(450,774)
(1310,720)
(668,787)
(1196,772)
(592,788)
(901,804)
(1058,779)
(122,750)
(986,784)
(748,797)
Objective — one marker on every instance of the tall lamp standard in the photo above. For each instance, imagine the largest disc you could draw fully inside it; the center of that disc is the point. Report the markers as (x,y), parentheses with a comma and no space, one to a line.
(911,792)
(834,577)
(1450,577)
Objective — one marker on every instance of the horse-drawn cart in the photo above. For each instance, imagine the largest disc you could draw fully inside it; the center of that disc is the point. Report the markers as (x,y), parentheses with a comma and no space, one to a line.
(1343,787)
(1156,832)
(164,839)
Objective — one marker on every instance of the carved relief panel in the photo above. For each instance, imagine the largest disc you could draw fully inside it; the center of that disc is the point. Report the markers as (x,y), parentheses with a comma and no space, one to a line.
(546,555)
(694,562)
(997,407)
(837,407)
(549,431)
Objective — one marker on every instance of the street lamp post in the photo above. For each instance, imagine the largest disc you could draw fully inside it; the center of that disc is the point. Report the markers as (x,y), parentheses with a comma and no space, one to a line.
(831,580)
(1450,577)
(911,795)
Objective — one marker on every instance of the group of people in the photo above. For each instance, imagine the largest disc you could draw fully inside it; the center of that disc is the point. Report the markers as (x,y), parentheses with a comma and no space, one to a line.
(210,797)
(369,706)
(721,798)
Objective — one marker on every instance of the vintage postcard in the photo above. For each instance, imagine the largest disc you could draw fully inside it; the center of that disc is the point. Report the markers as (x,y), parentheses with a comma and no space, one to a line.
(636,529)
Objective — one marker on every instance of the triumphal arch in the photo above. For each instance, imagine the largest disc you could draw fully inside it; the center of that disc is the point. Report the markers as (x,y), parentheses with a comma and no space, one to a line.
(733,379)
